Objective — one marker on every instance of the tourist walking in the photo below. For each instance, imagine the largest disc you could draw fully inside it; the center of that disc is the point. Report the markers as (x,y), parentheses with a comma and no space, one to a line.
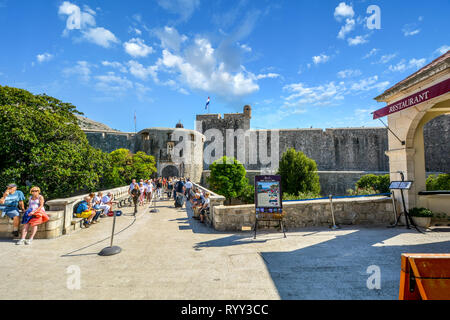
(34,216)
(135,193)
(10,203)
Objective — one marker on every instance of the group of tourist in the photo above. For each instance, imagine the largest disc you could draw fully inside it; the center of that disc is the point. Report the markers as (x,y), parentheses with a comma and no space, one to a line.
(12,201)
(94,206)
(200,202)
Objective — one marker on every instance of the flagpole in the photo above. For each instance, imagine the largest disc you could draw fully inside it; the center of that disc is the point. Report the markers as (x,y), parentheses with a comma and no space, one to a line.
(135,130)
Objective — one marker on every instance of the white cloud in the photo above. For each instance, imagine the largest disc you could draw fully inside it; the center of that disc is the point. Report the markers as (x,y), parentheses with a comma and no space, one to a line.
(411,33)
(184,8)
(115,65)
(245,47)
(44,57)
(349,26)
(137,48)
(325,94)
(85,22)
(100,36)
(343,11)
(387,57)
(369,84)
(442,50)
(200,69)
(320,59)
(141,72)
(113,84)
(170,38)
(330,93)
(357,40)
(82,69)
(371,53)
(76,18)
(267,75)
(412,64)
(349,73)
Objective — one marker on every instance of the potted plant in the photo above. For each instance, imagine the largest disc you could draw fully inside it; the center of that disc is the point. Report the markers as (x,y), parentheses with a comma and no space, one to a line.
(421,216)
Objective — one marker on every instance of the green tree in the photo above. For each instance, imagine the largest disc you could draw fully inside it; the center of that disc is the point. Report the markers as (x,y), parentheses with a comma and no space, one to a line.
(228,178)
(42,144)
(298,173)
(144,166)
(125,166)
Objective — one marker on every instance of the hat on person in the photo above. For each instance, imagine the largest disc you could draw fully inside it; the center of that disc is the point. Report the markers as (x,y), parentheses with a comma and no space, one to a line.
(12,185)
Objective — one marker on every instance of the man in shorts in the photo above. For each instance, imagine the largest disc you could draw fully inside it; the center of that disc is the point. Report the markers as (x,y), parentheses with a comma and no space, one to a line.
(10,203)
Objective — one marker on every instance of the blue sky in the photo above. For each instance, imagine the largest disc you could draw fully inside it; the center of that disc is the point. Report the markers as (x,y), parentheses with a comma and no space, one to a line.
(297,63)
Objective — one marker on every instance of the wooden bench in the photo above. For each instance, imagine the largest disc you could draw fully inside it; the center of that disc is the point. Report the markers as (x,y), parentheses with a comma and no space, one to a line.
(425,277)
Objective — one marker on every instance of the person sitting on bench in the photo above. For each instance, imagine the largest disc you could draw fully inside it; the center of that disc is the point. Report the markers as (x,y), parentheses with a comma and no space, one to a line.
(205,208)
(85,211)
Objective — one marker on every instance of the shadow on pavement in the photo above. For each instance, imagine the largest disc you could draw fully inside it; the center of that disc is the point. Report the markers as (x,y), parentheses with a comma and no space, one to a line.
(337,268)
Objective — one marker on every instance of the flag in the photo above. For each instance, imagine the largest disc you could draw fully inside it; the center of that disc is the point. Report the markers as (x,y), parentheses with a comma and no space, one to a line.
(207,103)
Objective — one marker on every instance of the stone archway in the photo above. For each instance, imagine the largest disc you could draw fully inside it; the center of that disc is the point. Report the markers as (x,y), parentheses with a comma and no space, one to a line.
(412,103)
(169,171)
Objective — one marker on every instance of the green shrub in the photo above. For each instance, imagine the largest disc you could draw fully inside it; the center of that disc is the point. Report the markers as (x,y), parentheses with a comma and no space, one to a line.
(248,194)
(361,191)
(420,212)
(228,178)
(379,183)
(298,173)
(300,196)
(440,182)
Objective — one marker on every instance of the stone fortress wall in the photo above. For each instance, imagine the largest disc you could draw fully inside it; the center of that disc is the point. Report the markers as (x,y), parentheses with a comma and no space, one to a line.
(160,143)
(342,155)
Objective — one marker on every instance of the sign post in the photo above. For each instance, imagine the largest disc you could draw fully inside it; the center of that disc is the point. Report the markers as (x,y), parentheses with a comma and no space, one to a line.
(268,201)
(403,185)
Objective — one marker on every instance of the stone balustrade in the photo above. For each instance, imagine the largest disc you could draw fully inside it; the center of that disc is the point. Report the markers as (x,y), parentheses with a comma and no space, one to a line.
(60,212)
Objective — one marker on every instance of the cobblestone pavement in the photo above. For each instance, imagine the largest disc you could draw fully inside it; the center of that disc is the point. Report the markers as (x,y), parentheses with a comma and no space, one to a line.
(169,255)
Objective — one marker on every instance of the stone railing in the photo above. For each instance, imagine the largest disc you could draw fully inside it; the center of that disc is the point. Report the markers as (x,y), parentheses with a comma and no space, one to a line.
(60,213)
(216,200)
(362,211)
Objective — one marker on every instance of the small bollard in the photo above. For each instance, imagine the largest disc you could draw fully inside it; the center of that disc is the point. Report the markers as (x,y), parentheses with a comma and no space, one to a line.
(334,226)
(111,250)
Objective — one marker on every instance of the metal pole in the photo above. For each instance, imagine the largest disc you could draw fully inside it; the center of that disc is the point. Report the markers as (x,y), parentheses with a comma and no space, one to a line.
(332,213)
(394,206)
(111,250)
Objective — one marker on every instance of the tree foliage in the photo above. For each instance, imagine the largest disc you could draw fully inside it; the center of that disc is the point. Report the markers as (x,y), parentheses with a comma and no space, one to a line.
(41,144)
(228,178)
(439,182)
(379,183)
(298,173)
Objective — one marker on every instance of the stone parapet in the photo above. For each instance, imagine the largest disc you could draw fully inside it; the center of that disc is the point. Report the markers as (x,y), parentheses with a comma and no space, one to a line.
(348,211)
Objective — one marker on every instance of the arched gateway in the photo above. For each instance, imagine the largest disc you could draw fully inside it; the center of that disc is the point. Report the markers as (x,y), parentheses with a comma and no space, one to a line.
(170,171)
(412,103)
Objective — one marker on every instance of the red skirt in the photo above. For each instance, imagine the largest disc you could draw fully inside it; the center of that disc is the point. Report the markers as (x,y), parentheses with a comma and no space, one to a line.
(40,218)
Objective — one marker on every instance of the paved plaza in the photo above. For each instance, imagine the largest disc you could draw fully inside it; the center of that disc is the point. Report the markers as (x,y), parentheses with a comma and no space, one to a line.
(169,255)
